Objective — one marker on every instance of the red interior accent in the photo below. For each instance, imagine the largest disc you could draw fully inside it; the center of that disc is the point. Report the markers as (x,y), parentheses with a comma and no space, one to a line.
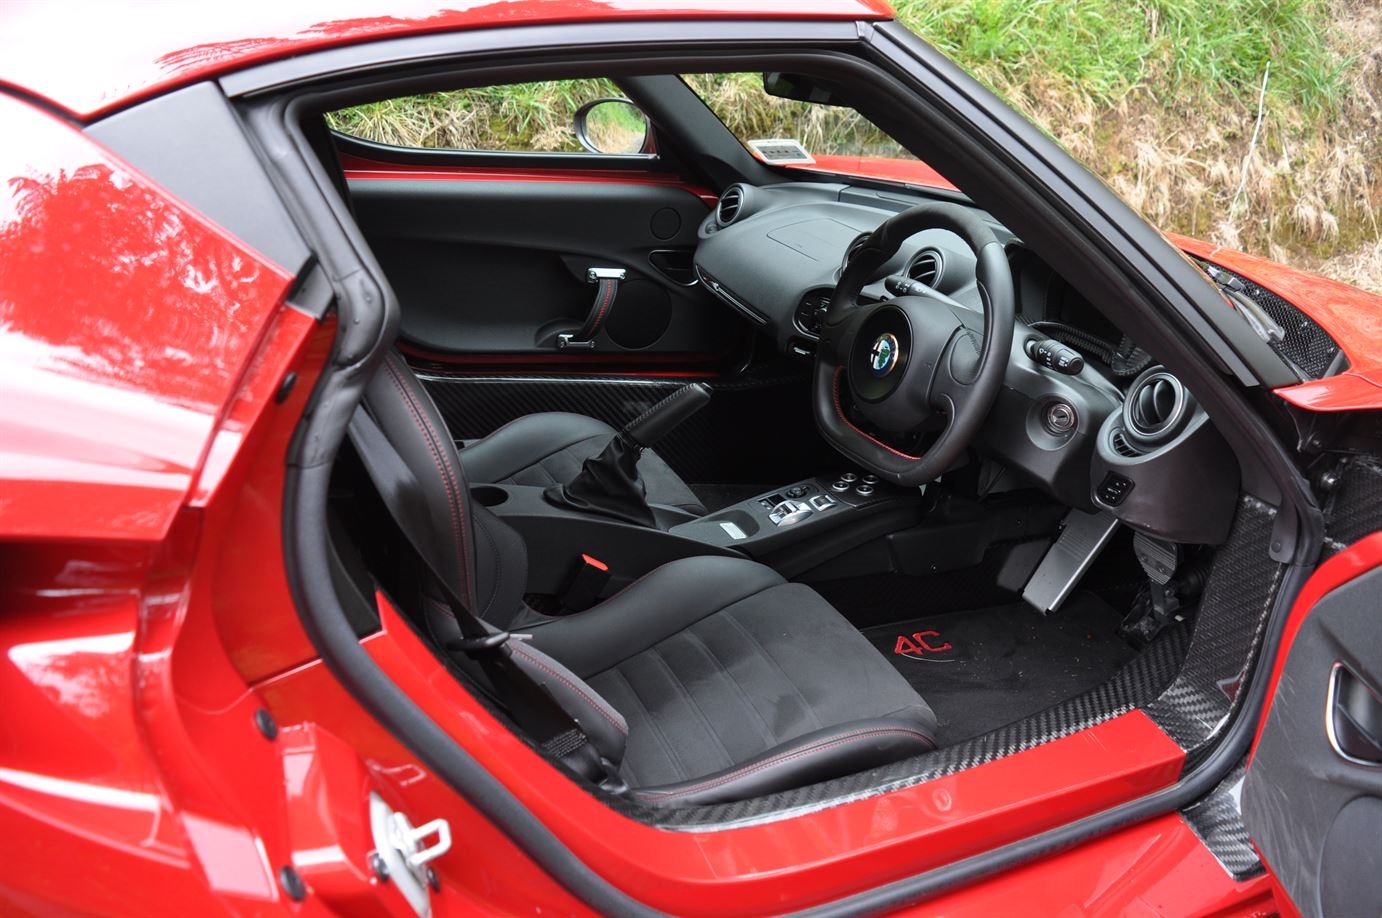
(595,563)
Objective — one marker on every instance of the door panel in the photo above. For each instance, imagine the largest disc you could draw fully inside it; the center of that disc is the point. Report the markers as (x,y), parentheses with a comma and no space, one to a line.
(485,267)
(1313,795)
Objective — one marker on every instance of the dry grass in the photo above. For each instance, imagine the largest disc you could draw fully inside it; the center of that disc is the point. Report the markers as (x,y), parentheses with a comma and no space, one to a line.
(1307,193)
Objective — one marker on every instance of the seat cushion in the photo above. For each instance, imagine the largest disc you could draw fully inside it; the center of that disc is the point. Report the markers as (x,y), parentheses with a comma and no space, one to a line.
(734,682)
(545,449)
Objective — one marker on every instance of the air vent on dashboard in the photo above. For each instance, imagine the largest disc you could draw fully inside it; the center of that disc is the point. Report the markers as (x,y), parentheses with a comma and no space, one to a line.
(1121,446)
(926,267)
(854,247)
(1157,407)
(731,202)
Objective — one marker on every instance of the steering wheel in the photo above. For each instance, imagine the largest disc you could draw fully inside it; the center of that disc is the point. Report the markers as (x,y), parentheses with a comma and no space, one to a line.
(908,359)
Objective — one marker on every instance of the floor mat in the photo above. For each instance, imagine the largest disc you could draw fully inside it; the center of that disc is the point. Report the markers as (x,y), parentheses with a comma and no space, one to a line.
(982,669)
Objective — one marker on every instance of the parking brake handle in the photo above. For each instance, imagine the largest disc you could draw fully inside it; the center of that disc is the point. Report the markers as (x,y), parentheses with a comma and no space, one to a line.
(659,420)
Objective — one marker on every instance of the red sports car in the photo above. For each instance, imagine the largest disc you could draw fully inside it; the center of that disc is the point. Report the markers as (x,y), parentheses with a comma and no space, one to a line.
(863,512)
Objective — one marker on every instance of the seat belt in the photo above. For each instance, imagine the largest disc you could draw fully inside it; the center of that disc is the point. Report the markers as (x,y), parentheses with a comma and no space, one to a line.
(530,705)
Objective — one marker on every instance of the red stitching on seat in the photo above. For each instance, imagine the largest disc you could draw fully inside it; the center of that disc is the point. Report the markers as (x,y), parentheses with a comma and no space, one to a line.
(789,756)
(839,409)
(452,487)
(575,687)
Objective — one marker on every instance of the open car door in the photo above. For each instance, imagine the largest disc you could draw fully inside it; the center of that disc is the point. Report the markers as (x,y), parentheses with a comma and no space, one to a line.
(1312,800)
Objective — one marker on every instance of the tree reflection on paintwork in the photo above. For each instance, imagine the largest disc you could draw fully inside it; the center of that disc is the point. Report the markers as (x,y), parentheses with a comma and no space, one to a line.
(122,285)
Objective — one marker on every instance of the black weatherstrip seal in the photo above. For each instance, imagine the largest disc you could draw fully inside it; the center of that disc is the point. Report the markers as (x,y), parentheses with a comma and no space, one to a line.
(369,320)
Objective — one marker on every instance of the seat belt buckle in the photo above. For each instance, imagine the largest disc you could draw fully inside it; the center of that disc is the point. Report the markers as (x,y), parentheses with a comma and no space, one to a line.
(591,577)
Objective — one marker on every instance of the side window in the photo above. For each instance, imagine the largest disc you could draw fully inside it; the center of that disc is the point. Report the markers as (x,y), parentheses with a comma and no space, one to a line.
(553,116)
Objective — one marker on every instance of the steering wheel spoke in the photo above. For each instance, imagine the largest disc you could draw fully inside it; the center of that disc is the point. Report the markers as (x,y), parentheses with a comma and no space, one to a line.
(907,359)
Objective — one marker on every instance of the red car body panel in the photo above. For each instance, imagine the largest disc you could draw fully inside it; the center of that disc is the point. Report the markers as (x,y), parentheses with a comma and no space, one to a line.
(126,322)
(163,46)
(789,863)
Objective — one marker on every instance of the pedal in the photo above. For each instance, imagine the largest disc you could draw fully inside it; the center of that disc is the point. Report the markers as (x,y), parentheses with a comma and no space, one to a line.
(1082,537)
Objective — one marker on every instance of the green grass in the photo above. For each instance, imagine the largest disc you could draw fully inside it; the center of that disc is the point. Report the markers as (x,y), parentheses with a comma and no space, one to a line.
(1177,51)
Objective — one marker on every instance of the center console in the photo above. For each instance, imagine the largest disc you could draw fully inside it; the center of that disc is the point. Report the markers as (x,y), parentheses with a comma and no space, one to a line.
(791,528)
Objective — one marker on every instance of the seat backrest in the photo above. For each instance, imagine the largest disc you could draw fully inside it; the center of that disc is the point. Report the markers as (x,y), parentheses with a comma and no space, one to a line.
(483,559)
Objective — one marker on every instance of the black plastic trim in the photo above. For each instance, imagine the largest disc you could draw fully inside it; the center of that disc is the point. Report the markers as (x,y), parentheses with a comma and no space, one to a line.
(191,143)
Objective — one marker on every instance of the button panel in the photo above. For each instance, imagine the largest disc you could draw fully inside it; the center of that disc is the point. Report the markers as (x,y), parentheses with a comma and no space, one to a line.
(1113,490)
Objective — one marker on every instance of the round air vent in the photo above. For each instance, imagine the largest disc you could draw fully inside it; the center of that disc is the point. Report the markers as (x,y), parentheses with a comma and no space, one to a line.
(730,206)
(926,267)
(1157,407)
(854,246)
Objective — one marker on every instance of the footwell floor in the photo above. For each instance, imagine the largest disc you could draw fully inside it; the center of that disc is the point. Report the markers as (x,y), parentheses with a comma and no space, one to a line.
(985,668)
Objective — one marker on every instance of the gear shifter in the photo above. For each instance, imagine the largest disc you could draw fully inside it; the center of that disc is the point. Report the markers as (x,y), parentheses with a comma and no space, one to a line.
(608,483)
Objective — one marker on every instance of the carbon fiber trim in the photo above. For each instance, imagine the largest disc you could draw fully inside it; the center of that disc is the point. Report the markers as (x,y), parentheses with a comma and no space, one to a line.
(1306,344)
(1237,599)
(1135,685)
(757,422)
(1354,509)
(1217,819)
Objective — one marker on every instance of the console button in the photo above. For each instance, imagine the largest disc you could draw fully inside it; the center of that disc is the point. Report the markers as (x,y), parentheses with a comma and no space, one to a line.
(864,490)
(869,479)
(1113,489)
(823,502)
(840,486)
(789,512)
(797,491)
(850,477)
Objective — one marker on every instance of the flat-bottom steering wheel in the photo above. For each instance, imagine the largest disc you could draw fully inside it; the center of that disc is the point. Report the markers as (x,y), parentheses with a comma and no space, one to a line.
(903,361)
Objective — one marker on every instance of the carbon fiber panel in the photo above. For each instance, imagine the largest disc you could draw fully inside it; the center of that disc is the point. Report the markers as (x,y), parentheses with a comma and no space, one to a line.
(1237,599)
(1306,344)
(1218,821)
(1354,509)
(757,428)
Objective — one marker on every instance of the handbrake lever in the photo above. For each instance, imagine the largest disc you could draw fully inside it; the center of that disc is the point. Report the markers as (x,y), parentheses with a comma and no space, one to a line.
(659,420)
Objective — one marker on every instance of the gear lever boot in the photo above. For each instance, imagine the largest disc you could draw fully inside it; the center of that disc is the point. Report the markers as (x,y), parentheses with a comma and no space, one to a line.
(608,483)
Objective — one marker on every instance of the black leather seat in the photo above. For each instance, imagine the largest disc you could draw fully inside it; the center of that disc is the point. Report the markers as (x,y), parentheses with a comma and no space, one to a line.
(548,448)
(710,679)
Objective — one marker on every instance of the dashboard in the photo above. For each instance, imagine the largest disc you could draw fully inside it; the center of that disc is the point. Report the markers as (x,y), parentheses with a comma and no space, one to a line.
(1083,414)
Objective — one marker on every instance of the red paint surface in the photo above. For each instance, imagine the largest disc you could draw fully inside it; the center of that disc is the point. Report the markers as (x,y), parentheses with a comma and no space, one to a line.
(1352,317)
(125,324)
(907,171)
(1159,867)
(111,54)
(793,862)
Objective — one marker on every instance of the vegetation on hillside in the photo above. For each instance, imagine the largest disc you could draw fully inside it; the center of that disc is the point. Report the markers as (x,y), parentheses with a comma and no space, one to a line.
(1256,124)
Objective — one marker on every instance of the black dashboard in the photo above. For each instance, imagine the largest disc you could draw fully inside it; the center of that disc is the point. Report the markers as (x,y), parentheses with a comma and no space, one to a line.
(774,254)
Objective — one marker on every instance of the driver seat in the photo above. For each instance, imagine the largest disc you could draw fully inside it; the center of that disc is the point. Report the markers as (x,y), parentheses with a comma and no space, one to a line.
(711,679)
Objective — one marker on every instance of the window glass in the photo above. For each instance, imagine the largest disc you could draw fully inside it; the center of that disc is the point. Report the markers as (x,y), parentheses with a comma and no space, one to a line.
(516,118)
(754,116)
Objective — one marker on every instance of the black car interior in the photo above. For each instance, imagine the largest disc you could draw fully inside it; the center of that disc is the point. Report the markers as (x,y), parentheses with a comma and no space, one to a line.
(822,477)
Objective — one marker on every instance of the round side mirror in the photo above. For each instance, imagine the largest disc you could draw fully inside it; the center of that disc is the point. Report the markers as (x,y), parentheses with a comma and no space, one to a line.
(613,127)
